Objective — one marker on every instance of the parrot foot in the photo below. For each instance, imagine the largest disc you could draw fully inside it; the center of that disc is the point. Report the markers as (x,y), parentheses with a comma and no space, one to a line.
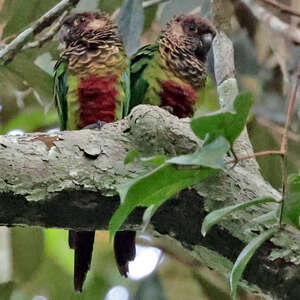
(168,108)
(97,125)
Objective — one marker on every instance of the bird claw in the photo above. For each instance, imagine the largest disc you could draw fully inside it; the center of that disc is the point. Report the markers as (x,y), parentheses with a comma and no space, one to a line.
(97,125)
(168,108)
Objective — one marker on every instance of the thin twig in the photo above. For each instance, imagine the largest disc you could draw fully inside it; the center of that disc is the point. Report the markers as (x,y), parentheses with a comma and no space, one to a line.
(49,34)
(284,143)
(276,129)
(13,48)
(263,153)
(283,8)
(289,31)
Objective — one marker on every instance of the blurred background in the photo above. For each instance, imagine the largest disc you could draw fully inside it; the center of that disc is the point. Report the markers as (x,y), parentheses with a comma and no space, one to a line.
(35,263)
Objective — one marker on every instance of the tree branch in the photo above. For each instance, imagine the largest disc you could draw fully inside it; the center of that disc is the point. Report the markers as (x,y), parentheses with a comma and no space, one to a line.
(69,180)
(289,31)
(8,53)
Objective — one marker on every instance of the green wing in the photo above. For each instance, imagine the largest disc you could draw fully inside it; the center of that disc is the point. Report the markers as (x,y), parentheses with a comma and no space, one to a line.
(126,87)
(60,92)
(139,63)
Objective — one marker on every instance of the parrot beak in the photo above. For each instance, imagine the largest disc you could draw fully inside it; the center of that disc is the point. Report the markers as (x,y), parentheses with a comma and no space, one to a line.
(64,33)
(207,42)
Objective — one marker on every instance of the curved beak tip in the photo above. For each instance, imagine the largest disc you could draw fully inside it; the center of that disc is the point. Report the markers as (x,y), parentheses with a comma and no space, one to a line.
(63,33)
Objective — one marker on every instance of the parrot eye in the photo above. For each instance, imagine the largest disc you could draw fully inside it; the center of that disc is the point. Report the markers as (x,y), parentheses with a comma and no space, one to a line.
(192,27)
(82,19)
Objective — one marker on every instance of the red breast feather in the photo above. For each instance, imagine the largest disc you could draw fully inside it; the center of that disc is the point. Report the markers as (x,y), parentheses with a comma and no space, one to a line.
(98,99)
(180,98)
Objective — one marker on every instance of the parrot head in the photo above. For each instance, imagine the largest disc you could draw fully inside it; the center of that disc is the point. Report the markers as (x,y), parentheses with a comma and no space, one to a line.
(81,25)
(191,33)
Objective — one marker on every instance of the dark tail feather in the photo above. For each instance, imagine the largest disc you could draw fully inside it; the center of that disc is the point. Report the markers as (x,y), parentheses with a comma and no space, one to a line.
(124,246)
(82,242)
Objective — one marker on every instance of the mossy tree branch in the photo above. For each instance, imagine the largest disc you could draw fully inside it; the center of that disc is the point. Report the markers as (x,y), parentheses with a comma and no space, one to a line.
(69,180)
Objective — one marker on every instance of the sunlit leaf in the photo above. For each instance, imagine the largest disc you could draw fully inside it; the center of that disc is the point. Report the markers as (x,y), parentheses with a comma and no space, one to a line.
(29,122)
(154,188)
(210,155)
(228,122)
(216,215)
(58,239)
(244,257)
(131,21)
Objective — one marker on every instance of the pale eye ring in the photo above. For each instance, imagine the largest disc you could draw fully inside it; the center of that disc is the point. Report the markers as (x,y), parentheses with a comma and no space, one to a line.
(82,19)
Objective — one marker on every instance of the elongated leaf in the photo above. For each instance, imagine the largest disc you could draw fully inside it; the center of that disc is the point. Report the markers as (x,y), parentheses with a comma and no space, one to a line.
(216,215)
(156,160)
(210,155)
(228,122)
(131,23)
(244,257)
(153,189)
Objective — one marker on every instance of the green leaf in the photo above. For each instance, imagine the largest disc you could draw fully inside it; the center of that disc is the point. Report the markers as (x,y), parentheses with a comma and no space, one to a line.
(29,122)
(268,218)
(156,160)
(20,14)
(244,257)
(216,215)
(150,14)
(56,239)
(228,122)
(131,22)
(109,6)
(131,156)
(6,290)
(210,155)
(294,183)
(291,209)
(153,189)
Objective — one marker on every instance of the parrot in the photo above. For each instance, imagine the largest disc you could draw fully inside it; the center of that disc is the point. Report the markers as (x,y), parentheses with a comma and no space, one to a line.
(171,73)
(92,85)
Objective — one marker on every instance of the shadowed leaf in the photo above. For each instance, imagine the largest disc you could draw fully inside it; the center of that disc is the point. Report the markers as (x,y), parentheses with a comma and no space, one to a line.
(244,257)
(153,189)
(210,155)
(228,122)
(216,215)
(131,22)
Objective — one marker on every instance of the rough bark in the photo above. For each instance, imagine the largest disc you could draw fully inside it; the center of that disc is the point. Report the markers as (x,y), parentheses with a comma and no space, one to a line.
(69,180)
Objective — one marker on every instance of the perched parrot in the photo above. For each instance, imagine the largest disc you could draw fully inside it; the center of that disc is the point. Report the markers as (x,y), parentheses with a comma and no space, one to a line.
(92,84)
(171,73)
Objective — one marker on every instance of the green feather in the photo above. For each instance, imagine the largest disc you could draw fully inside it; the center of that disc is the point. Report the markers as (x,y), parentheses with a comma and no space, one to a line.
(148,71)
(126,87)
(60,92)
(139,63)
